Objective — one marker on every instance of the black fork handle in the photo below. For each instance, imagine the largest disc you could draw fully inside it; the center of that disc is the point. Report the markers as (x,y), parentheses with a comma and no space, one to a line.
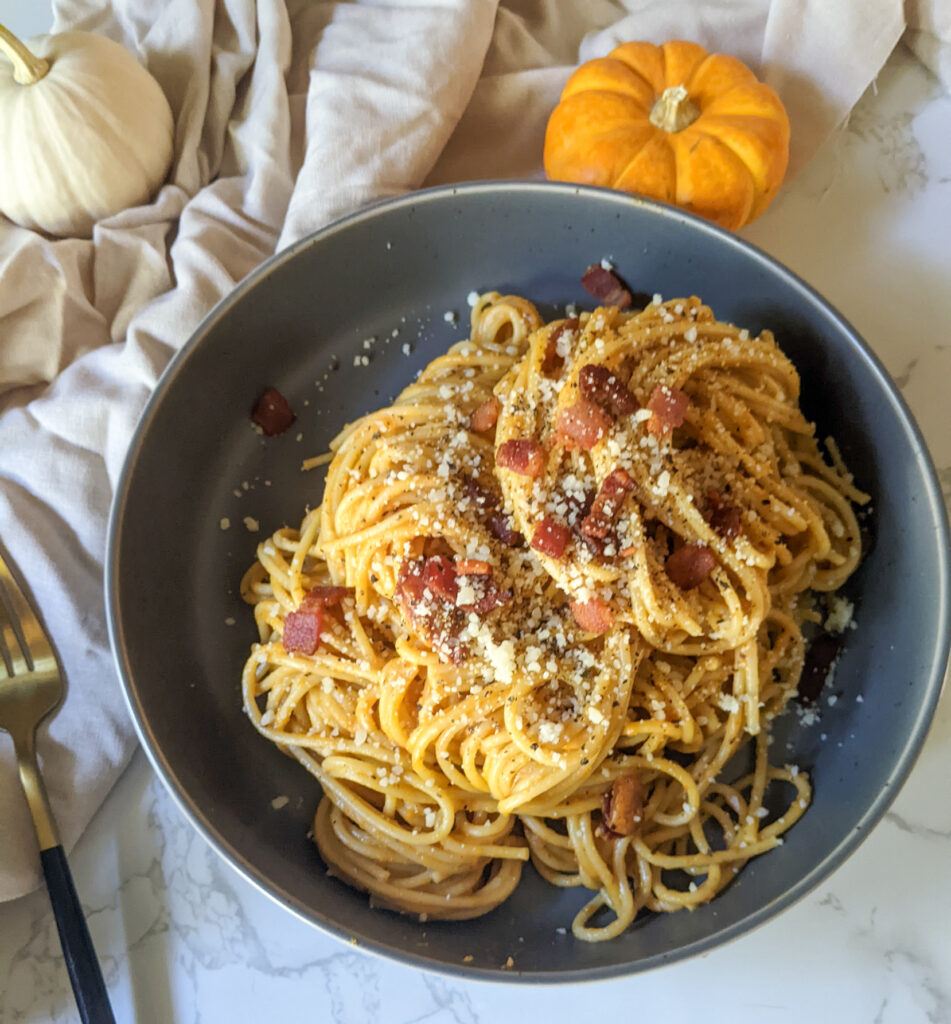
(85,974)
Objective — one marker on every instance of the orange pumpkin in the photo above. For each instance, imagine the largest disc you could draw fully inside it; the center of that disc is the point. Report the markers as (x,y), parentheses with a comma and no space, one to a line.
(673,123)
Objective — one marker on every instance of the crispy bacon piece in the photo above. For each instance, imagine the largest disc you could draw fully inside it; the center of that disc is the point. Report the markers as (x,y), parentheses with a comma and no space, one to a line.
(578,506)
(524,456)
(669,406)
(428,590)
(502,530)
(599,522)
(324,596)
(489,595)
(582,424)
(439,575)
(487,501)
(622,807)
(551,538)
(820,654)
(272,413)
(596,545)
(689,566)
(578,509)
(552,362)
(726,519)
(593,616)
(479,495)
(485,417)
(431,612)
(410,586)
(302,630)
(473,567)
(599,385)
(605,286)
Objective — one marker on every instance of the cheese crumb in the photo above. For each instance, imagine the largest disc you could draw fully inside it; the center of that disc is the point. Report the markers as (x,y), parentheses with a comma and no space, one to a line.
(502,658)
(549,732)
(840,615)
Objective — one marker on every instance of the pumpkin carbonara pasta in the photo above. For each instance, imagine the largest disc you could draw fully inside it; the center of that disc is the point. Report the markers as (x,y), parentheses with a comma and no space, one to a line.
(547,596)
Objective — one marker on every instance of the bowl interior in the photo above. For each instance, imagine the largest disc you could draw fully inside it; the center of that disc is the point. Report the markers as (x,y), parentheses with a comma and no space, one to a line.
(396,273)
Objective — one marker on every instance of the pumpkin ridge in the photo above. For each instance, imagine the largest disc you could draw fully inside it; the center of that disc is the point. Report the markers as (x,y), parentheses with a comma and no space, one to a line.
(709,129)
(634,71)
(688,85)
(615,94)
(644,142)
(753,93)
(625,53)
(123,146)
(669,52)
(743,77)
(73,147)
(742,162)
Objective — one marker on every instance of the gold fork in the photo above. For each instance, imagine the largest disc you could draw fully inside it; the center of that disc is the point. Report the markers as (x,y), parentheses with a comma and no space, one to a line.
(31,686)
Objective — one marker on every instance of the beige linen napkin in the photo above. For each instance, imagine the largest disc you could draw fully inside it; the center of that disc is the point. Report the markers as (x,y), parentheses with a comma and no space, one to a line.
(287,115)
(929,35)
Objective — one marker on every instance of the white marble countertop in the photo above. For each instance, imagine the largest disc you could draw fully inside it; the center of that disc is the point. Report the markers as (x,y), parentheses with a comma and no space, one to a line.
(183,938)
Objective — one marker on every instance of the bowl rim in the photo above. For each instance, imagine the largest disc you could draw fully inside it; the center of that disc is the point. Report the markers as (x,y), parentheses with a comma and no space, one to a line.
(850,841)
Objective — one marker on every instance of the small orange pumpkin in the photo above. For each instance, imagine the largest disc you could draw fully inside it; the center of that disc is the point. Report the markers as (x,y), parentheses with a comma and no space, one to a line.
(673,123)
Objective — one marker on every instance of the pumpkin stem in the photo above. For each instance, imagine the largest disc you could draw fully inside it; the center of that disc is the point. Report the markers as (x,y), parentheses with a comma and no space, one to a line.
(673,111)
(27,68)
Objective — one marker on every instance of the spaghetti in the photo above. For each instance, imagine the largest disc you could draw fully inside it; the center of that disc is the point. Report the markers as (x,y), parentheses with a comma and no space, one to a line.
(549,594)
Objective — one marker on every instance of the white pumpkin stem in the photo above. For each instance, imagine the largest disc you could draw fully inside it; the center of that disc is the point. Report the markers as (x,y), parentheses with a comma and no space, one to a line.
(27,67)
(673,111)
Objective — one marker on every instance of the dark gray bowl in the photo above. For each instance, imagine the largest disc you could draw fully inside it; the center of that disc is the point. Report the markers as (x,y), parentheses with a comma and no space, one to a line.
(393,271)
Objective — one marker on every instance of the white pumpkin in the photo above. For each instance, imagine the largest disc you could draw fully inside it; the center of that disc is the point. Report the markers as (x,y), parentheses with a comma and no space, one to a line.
(87,131)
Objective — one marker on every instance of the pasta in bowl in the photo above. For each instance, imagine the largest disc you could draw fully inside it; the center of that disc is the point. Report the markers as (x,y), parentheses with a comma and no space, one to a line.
(340,325)
(549,594)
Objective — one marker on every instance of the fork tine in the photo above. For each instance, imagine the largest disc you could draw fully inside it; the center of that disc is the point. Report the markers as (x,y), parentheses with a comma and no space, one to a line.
(23,625)
(6,661)
(11,645)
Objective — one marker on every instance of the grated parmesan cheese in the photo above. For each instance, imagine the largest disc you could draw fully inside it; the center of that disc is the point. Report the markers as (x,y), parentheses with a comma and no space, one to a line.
(839,619)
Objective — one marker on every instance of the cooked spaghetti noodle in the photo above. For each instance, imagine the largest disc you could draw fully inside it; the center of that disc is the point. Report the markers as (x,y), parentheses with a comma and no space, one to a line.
(501,637)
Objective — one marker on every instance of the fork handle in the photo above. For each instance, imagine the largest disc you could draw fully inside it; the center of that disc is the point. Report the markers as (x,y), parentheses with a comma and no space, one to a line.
(85,974)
